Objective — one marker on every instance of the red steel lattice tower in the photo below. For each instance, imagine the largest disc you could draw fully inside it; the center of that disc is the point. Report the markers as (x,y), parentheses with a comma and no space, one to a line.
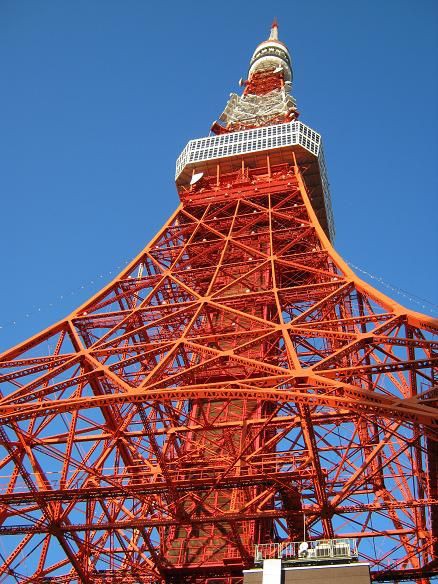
(236,382)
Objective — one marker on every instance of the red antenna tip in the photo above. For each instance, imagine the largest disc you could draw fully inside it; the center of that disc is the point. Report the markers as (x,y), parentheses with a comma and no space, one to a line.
(274,30)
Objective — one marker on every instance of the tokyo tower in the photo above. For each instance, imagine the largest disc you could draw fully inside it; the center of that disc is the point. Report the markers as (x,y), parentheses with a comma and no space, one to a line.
(236,386)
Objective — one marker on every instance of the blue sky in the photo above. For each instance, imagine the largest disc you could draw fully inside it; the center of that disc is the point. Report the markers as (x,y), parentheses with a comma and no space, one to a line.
(99,97)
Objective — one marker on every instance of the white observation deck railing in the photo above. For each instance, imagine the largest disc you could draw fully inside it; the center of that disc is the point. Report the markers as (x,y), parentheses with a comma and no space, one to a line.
(308,551)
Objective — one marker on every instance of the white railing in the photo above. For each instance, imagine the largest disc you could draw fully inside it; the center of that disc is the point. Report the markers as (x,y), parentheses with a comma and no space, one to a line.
(308,551)
(247,141)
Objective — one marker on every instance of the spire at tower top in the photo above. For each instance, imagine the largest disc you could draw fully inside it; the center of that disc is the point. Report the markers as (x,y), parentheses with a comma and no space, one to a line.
(274,31)
(271,53)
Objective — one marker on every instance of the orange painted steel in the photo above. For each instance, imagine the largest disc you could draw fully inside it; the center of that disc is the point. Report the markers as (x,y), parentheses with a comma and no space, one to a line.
(236,384)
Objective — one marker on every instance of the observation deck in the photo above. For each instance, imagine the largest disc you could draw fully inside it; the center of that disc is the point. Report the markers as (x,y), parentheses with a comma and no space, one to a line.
(280,142)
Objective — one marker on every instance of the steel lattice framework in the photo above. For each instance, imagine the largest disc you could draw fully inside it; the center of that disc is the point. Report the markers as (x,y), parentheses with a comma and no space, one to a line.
(235,384)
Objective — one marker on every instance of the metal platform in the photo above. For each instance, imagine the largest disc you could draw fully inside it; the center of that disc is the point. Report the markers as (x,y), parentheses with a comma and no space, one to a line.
(280,140)
(308,552)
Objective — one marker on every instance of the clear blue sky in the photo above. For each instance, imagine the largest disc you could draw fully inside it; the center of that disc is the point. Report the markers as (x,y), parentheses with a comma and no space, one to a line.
(99,97)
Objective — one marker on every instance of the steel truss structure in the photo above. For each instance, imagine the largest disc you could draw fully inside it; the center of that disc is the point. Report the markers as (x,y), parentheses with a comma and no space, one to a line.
(236,384)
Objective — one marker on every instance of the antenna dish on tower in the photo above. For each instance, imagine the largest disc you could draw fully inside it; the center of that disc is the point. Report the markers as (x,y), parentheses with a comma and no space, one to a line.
(196,177)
